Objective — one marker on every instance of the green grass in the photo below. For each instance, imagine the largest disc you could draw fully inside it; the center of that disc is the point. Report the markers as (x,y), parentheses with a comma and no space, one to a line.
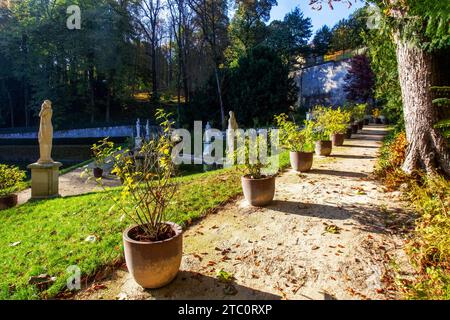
(74,167)
(52,233)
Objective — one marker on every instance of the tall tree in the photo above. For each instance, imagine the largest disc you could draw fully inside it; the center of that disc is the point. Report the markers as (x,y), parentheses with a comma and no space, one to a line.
(290,36)
(360,80)
(148,22)
(213,21)
(322,40)
(248,28)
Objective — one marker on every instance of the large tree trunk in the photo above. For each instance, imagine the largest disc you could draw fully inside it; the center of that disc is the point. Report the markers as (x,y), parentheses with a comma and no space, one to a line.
(427,148)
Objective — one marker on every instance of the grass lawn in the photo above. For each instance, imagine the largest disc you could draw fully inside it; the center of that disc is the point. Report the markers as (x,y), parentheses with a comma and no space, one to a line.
(47,237)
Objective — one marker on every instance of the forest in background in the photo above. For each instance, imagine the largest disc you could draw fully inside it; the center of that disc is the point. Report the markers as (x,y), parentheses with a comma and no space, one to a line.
(199,58)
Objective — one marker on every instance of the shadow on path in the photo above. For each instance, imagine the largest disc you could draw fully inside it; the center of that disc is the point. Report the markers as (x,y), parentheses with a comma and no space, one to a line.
(367,216)
(360,146)
(336,173)
(190,285)
(373,132)
(349,156)
(310,210)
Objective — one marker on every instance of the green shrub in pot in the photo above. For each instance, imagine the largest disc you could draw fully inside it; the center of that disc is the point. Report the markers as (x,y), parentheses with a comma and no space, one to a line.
(258,186)
(338,122)
(153,245)
(300,142)
(10,179)
(101,151)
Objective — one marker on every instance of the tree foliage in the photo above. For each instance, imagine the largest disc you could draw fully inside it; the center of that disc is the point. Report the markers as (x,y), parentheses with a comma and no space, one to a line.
(359,80)
(258,87)
(322,40)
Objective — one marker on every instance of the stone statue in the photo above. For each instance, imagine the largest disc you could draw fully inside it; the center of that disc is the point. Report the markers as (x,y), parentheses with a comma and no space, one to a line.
(138,128)
(231,135)
(46,133)
(147,130)
(232,123)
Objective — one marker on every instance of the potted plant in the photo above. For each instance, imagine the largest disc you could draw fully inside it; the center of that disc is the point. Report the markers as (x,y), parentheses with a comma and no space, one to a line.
(153,245)
(348,132)
(338,121)
(101,151)
(322,131)
(299,142)
(10,179)
(358,113)
(258,183)
(376,113)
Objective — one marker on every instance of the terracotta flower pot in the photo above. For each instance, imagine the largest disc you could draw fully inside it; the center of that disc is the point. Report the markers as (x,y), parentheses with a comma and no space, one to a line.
(301,161)
(8,201)
(348,134)
(360,125)
(324,148)
(153,264)
(258,192)
(355,128)
(338,139)
(98,172)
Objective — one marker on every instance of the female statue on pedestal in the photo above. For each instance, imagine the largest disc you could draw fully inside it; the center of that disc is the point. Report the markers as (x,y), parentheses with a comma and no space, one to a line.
(46,133)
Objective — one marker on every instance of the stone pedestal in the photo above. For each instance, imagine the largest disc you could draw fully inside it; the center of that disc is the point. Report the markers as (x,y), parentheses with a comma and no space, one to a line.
(44,180)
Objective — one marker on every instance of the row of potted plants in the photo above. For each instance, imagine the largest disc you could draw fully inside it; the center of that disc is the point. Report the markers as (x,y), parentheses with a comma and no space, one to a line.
(328,129)
(153,245)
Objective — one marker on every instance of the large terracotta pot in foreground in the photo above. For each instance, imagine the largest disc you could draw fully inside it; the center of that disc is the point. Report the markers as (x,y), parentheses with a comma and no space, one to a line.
(301,161)
(8,201)
(324,148)
(258,192)
(153,264)
(338,139)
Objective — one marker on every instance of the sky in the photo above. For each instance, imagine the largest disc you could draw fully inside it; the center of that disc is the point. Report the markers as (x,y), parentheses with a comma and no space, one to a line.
(318,18)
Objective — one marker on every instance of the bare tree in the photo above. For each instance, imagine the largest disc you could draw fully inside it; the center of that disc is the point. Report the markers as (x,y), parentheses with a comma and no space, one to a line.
(213,21)
(148,20)
(180,23)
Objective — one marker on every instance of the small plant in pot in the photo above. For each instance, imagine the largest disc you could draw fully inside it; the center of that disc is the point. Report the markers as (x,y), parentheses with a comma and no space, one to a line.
(348,132)
(376,113)
(153,245)
(102,151)
(300,143)
(10,179)
(258,180)
(338,121)
(322,131)
(359,113)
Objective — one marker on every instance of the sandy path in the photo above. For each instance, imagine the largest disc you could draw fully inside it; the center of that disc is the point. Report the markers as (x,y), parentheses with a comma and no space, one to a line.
(284,251)
(74,183)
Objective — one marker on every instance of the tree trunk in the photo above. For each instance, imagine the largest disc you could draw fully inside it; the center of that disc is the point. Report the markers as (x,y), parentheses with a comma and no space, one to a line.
(154,74)
(427,148)
(219,93)
(10,103)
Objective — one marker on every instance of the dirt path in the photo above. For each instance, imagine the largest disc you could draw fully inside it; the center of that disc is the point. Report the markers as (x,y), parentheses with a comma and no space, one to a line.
(74,183)
(330,234)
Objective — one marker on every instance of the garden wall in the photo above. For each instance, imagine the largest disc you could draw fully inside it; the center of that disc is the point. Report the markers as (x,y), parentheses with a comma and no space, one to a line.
(323,84)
